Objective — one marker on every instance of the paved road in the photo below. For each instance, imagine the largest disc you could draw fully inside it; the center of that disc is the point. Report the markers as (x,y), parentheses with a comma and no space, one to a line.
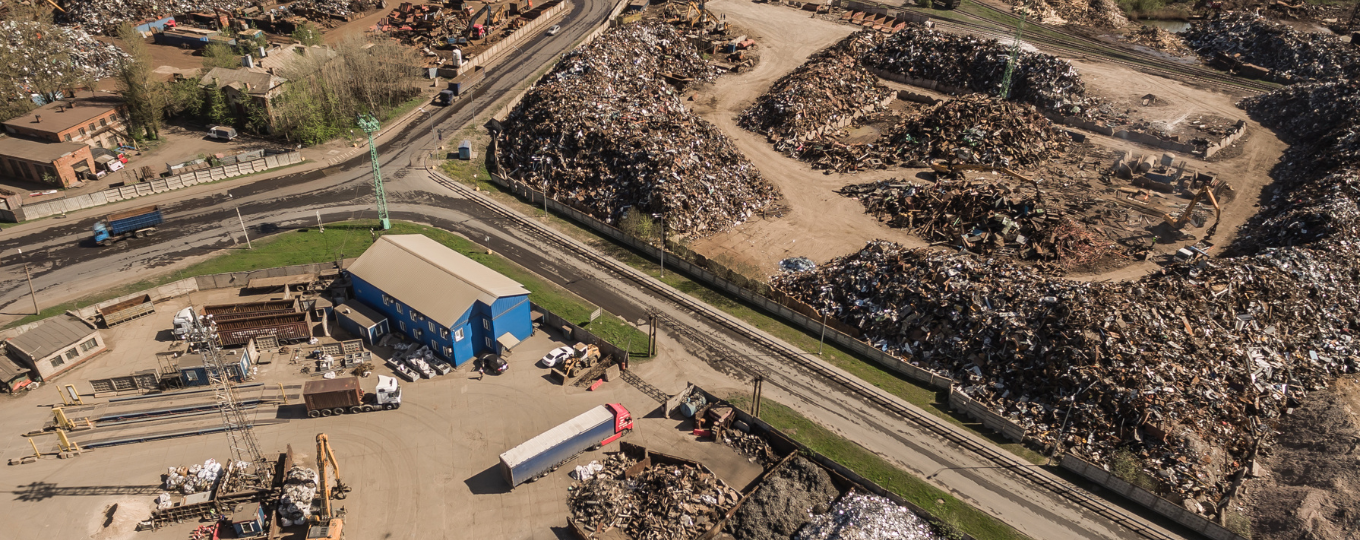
(67,265)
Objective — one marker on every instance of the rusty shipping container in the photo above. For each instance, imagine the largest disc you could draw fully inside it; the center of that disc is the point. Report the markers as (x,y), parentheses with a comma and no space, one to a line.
(287,327)
(127,310)
(245,310)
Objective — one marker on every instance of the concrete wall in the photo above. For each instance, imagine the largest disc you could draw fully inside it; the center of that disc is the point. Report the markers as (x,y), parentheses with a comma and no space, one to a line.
(1171,510)
(788,310)
(1238,131)
(548,18)
(160,185)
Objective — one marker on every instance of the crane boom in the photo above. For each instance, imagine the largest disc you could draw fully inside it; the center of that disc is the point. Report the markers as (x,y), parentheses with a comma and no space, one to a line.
(370,125)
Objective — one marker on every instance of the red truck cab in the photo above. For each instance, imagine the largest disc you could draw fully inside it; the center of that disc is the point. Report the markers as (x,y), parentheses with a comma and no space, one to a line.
(623,422)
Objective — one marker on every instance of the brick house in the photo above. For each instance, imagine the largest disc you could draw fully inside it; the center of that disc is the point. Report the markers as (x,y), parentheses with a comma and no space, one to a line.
(97,122)
(67,164)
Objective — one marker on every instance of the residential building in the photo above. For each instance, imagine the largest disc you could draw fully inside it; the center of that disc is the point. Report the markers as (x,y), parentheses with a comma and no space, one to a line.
(242,85)
(57,345)
(441,298)
(97,122)
(63,164)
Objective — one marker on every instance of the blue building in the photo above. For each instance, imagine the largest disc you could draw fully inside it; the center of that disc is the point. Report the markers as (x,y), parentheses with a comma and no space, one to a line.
(436,296)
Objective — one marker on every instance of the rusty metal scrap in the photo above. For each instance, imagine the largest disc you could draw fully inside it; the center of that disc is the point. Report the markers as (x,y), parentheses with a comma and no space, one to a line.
(662,502)
(606,132)
(1156,38)
(830,87)
(978,64)
(1287,53)
(1180,367)
(972,129)
(104,16)
(989,218)
(100,60)
(1099,13)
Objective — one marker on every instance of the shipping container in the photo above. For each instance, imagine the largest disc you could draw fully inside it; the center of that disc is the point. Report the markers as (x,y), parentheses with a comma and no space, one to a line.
(466,81)
(230,312)
(127,310)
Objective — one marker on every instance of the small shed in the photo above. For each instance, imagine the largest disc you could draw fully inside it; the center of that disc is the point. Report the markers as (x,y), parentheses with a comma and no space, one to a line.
(238,369)
(465,150)
(57,345)
(360,320)
(248,521)
(12,376)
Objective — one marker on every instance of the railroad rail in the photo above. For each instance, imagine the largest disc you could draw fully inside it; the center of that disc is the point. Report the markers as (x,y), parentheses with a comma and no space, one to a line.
(853,386)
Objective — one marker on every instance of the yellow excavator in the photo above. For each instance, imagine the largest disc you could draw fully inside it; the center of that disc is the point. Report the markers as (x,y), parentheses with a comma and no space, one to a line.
(328,525)
(944,167)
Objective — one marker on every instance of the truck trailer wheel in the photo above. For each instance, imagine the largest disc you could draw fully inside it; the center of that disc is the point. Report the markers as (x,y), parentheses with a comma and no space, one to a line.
(355,410)
(313,414)
(339,411)
(366,408)
(325,412)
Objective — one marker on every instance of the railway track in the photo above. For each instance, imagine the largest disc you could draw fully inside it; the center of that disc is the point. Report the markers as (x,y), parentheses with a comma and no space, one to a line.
(868,394)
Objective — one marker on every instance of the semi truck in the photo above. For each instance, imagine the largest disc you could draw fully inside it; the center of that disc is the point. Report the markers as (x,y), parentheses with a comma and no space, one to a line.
(329,397)
(541,455)
(120,225)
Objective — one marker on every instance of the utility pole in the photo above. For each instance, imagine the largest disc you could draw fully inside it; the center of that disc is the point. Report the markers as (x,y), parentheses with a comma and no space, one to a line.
(243,228)
(370,125)
(31,293)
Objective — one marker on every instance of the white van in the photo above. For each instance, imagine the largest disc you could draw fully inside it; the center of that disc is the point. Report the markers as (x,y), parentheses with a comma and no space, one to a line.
(225,133)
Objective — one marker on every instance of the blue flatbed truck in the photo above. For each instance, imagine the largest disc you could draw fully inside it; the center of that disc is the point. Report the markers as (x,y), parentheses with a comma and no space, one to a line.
(132,223)
(543,454)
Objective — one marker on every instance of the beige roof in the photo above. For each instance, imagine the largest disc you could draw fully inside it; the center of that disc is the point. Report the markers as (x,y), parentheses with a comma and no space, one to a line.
(432,279)
(73,113)
(40,151)
(52,335)
(260,83)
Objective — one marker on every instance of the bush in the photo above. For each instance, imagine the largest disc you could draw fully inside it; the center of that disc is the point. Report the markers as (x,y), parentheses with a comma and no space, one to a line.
(1125,465)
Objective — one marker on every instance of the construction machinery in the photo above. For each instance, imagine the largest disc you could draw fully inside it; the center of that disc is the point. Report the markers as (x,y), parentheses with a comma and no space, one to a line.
(1204,193)
(583,357)
(328,525)
(944,167)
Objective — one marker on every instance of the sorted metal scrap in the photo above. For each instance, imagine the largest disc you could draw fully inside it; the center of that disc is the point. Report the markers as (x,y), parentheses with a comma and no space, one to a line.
(1287,53)
(97,59)
(606,133)
(867,517)
(1156,38)
(104,16)
(784,502)
(1099,13)
(828,88)
(663,502)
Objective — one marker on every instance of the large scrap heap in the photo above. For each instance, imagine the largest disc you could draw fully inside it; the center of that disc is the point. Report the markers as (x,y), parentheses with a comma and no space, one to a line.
(830,87)
(1232,39)
(606,132)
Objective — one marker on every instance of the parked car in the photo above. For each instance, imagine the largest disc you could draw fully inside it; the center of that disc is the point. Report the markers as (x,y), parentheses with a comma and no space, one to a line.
(554,30)
(556,356)
(225,133)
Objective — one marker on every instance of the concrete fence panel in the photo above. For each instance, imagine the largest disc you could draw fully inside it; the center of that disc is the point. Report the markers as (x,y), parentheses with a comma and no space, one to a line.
(1165,507)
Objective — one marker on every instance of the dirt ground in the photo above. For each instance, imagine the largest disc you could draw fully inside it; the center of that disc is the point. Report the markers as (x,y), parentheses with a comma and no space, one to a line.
(821,224)
(1309,485)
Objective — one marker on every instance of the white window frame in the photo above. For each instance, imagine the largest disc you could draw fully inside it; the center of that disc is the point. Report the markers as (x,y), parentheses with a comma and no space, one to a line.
(419,334)
(488,343)
(486,324)
(444,333)
(448,352)
(458,335)
(403,325)
(92,343)
(399,311)
(387,300)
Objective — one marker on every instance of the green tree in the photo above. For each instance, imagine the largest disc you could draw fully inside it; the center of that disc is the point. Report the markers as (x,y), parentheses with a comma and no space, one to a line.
(221,55)
(185,97)
(214,109)
(145,93)
(307,34)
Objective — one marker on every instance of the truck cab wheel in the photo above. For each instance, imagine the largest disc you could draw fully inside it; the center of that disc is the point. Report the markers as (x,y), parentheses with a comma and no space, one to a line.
(387,407)
(313,414)
(396,405)
(325,412)
(366,408)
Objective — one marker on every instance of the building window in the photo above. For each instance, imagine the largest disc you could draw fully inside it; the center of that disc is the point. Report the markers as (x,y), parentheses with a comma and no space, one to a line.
(486,324)
(387,300)
(488,343)
(444,333)
(419,334)
(458,335)
(190,376)
(99,143)
(92,343)
(66,137)
(399,311)
(448,352)
(72,354)
(91,127)
(103,122)
(431,325)
(402,324)
(57,361)
(82,132)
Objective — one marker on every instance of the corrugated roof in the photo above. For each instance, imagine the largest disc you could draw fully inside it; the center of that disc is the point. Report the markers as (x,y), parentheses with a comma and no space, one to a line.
(557,435)
(55,334)
(9,369)
(436,281)
(40,151)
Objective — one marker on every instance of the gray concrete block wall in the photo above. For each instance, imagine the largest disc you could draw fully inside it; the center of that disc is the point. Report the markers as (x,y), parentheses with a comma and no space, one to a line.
(1164,507)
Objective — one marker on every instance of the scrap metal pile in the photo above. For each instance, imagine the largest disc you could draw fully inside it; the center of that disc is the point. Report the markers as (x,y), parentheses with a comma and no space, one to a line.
(867,517)
(99,59)
(988,217)
(663,502)
(299,488)
(971,129)
(1180,366)
(978,64)
(1156,38)
(607,134)
(786,501)
(1287,53)
(194,478)
(828,88)
(104,16)
(1099,13)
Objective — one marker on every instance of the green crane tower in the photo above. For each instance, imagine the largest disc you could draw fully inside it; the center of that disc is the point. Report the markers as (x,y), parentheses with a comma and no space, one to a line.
(370,125)
(1015,54)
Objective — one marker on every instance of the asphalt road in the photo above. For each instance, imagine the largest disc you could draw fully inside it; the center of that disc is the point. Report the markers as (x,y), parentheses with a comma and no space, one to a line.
(66,265)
